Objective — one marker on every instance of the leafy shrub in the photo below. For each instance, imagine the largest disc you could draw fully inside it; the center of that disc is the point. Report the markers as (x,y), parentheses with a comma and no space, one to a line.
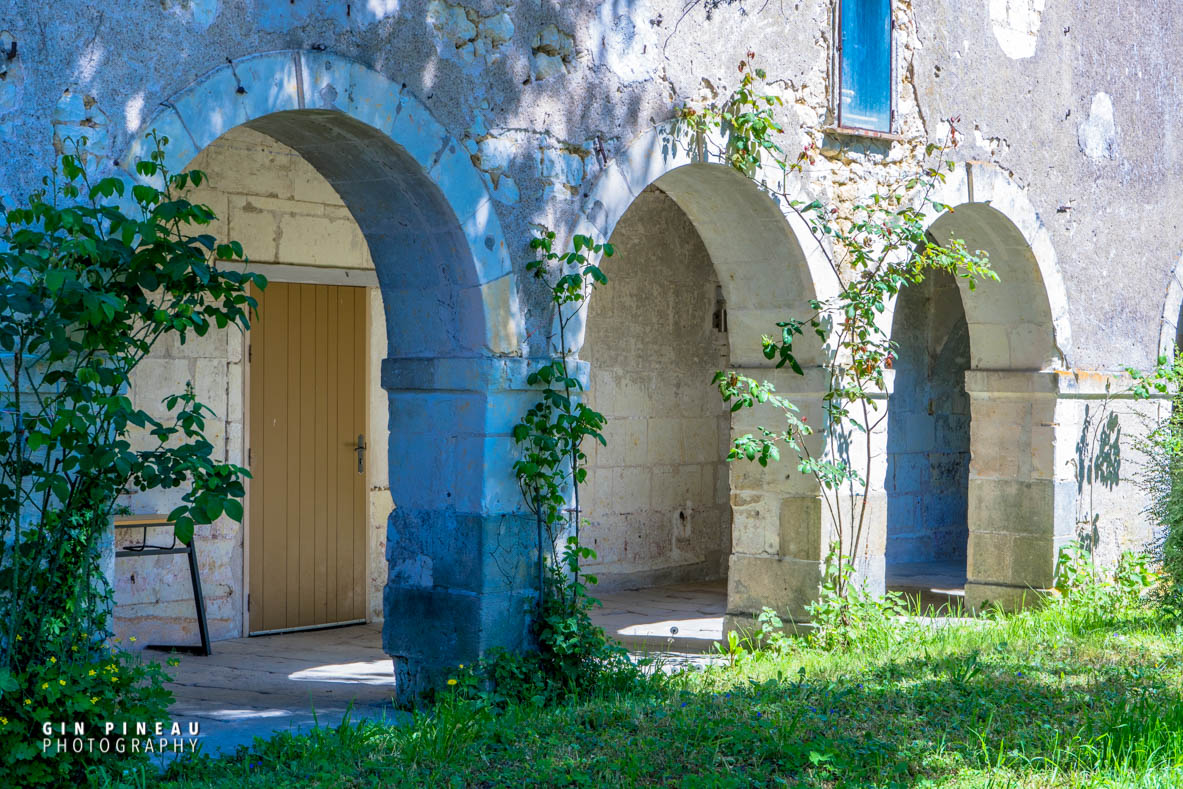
(574,656)
(1080,581)
(79,683)
(86,291)
(846,615)
(1161,473)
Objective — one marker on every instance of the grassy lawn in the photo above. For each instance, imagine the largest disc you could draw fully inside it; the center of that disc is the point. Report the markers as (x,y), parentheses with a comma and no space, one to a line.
(1063,696)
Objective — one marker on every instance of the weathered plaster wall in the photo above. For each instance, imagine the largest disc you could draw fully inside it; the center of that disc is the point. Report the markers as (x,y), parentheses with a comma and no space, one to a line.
(284,213)
(487,70)
(658,498)
(928,426)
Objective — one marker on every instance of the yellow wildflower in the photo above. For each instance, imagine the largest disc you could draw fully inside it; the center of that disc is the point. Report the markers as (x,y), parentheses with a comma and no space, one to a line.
(3,720)
(91,673)
(44,685)
(53,659)
(132,639)
(94,699)
(62,682)
(451,682)
(73,649)
(461,665)
(27,702)
(18,637)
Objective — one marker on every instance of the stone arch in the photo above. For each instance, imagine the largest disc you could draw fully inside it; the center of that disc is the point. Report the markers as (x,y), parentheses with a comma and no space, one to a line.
(768,267)
(456,552)
(768,264)
(1021,494)
(1026,313)
(395,166)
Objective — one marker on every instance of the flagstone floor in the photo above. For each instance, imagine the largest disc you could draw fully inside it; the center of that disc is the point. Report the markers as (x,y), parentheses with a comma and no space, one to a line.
(254,687)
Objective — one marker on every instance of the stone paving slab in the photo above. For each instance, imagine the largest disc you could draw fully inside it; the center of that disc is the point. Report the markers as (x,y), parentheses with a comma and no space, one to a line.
(256,687)
(681,618)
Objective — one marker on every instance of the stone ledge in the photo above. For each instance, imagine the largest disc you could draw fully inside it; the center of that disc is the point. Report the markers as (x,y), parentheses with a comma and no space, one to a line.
(1064,384)
(471,374)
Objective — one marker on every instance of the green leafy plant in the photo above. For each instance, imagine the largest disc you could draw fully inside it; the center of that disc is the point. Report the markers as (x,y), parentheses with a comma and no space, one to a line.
(86,292)
(875,247)
(1161,473)
(574,654)
(845,614)
(1080,580)
(90,686)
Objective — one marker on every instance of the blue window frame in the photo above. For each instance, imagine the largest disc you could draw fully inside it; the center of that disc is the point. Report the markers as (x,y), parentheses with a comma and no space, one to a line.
(864,57)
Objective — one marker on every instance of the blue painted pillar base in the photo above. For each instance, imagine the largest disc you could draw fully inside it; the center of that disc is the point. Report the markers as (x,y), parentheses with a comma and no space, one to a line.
(461,548)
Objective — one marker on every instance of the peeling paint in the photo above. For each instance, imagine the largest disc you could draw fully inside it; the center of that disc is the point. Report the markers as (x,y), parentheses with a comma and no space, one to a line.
(1016,26)
(1097,136)
(202,12)
(463,35)
(623,38)
(12,73)
(552,53)
(77,116)
(995,146)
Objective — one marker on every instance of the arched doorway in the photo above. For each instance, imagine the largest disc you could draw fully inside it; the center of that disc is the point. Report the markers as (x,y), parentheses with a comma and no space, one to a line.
(1023,404)
(458,555)
(731,233)
(928,442)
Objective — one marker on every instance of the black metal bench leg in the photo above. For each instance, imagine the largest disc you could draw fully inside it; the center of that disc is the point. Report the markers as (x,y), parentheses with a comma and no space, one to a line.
(199,599)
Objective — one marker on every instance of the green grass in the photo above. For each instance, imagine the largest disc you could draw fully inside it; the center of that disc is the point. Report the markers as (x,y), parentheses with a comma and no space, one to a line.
(1069,695)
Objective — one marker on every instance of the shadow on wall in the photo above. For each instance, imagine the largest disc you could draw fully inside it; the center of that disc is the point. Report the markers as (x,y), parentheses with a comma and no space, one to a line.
(928,427)
(1098,462)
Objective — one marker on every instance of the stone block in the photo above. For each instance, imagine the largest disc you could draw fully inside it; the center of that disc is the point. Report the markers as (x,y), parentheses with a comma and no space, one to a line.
(1012,506)
(663,440)
(755,524)
(800,528)
(1012,560)
(786,585)
(255,229)
(320,241)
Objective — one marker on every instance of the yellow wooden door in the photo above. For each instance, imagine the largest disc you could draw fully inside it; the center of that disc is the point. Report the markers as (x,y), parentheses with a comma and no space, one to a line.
(307,492)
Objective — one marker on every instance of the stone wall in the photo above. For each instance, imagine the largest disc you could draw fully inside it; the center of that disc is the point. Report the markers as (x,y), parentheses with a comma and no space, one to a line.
(293,227)
(657,497)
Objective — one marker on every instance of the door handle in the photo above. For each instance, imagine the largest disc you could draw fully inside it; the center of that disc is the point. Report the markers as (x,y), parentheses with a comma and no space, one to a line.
(360,449)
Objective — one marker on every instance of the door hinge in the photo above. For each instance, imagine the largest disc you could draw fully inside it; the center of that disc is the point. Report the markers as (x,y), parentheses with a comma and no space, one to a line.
(248,601)
(250,457)
(249,351)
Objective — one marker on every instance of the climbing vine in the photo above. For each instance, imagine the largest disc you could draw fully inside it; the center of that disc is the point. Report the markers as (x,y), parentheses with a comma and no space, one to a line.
(551,471)
(875,247)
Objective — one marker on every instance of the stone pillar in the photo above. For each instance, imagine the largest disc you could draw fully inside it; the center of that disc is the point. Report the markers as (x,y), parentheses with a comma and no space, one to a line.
(460,547)
(782,528)
(1022,493)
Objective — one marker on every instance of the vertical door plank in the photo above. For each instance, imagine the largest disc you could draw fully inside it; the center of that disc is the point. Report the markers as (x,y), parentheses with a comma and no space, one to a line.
(361,521)
(275,543)
(307,384)
(292,414)
(256,450)
(320,430)
(345,463)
